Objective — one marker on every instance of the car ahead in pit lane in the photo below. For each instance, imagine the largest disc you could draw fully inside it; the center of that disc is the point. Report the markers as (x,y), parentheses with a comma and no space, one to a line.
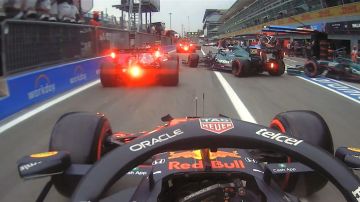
(339,68)
(194,159)
(186,46)
(147,65)
(246,61)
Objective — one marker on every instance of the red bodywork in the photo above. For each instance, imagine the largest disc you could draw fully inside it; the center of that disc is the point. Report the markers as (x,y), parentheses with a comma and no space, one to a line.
(137,68)
(185,47)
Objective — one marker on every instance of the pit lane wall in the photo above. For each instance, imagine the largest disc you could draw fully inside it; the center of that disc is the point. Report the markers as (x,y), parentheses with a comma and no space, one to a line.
(37,86)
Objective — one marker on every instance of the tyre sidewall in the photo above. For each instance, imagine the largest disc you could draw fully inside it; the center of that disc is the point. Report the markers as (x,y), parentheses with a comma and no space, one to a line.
(82,135)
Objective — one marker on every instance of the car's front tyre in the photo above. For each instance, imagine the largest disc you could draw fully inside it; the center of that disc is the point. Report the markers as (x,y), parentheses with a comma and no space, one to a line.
(83,135)
(312,128)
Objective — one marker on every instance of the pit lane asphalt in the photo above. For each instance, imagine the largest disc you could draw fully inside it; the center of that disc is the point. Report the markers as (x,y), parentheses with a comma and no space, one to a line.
(140,108)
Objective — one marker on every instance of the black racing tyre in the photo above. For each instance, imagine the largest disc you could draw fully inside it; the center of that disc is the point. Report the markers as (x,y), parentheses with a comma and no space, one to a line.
(312,68)
(280,70)
(193,60)
(81,134)
(240,68)
(171,75)
(107,77)
(312,128)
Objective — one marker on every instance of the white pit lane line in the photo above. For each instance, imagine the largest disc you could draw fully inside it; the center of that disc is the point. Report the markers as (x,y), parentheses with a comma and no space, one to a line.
(45,106)
(239,106)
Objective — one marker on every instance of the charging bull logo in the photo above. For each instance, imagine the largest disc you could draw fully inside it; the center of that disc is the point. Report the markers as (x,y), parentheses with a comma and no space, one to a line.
(79,75)
(42,86)
(216,125)
(215,162)
(196,154)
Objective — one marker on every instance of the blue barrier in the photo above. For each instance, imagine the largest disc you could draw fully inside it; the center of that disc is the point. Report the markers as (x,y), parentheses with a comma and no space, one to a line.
(34,87)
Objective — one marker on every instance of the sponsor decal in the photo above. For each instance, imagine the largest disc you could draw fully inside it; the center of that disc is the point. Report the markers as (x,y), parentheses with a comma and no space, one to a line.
(283,169)
(259,171)
(250,160)
(357,25)
(44,154)
(279,137)
(223,61)
(354,149)
(29,165)
(161,138)
(79,75)
(214,162)
(196,154)
(43,86)
(216,125)
(356,193)
(234,164)
(158,161)
(136,171)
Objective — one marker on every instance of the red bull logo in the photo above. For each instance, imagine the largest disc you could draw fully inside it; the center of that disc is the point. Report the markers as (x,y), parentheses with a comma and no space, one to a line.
(234,164)
(214,160)
(216,125)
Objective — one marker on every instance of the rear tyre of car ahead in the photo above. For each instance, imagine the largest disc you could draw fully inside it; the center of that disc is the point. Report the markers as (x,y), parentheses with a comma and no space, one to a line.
(171,75)
(107,74)
(312,68)
(193,60)
(83,135)
(280,68)
(312,128)
(240,68)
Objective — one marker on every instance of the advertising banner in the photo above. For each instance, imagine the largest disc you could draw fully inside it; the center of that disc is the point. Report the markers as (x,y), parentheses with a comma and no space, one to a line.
(34,87)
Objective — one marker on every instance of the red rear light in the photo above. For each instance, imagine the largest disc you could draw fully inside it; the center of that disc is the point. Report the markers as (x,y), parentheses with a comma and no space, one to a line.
(186,48)
(180,45)
(157,54)
(135,71)
(191,44)
(113,55)
(272,65)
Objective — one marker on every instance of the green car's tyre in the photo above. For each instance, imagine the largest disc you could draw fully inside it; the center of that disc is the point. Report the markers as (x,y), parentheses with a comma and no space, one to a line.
(240,68)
